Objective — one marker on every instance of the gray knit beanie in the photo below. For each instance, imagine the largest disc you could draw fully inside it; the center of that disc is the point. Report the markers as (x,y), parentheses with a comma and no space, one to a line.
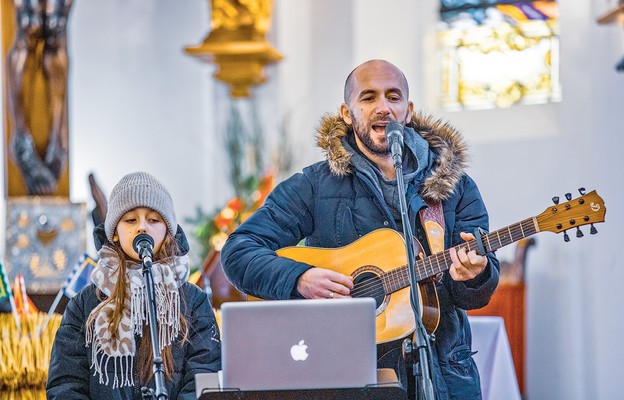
(139,189)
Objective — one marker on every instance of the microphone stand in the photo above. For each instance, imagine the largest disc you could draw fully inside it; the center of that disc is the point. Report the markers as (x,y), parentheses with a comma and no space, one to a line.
(159,373)
(420,339)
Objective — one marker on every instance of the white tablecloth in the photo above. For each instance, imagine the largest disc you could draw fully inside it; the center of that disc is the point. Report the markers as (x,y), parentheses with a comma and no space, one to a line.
(496,368)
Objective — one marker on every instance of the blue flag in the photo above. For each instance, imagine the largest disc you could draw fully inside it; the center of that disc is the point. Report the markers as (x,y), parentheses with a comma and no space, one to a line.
(81,277)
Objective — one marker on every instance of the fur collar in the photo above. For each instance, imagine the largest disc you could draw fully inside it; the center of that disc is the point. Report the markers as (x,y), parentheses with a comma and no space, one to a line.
(444,140)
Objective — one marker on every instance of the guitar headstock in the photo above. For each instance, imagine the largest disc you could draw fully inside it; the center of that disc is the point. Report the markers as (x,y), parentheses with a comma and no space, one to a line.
(584,210)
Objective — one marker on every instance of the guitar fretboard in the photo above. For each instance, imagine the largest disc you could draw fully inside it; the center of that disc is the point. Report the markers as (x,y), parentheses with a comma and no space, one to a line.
(427,267)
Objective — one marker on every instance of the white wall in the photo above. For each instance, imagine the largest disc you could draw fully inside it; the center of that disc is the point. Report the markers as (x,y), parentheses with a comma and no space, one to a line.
(137,102)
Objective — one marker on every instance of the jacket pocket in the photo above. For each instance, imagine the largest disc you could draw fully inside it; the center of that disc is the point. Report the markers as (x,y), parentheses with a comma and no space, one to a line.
(461,375)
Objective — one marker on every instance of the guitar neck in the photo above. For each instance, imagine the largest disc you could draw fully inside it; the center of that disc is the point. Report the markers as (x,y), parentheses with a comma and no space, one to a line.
(440,262)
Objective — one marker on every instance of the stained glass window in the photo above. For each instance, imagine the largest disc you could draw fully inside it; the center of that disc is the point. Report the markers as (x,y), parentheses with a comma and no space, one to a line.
(497,53)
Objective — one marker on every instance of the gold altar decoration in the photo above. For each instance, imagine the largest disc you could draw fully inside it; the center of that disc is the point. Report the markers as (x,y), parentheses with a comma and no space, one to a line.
(237,43)
(25,356)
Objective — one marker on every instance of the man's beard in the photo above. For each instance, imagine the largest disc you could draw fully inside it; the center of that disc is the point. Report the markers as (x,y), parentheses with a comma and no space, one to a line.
(363,133)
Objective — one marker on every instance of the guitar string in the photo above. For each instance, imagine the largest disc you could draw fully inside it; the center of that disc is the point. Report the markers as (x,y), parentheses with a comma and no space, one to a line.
(373,286)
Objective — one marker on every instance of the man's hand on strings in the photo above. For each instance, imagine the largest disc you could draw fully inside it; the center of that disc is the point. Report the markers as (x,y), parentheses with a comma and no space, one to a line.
(466,265)
(320,283)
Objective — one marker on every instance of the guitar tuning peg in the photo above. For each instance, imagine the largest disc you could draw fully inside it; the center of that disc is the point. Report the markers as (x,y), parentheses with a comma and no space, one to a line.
(566,238)
(582,191)
(568,196)
(593,230)
(555,199)
(579,233)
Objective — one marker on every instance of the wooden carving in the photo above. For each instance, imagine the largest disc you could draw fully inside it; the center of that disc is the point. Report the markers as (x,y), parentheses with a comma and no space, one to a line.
(36,67)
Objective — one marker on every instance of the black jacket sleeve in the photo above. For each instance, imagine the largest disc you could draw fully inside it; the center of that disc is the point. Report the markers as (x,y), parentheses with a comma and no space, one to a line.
(203,351)
(249,256)
(68,375)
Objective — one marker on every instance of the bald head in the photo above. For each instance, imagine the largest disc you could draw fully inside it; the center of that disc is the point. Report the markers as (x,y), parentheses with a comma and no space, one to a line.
(366,67)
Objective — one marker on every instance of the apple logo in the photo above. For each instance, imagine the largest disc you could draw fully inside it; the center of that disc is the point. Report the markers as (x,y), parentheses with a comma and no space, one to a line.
(299,352)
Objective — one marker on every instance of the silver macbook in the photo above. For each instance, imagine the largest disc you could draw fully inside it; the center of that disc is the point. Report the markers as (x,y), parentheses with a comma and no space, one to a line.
(298,344)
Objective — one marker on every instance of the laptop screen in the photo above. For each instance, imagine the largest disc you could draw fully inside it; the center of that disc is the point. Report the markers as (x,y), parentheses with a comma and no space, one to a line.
(298,344)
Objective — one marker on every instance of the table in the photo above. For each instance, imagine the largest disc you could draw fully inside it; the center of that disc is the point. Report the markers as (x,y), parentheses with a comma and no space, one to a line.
(493,358)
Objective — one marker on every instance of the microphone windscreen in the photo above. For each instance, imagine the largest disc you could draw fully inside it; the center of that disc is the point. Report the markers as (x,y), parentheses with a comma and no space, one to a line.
(394,131)
(142,237)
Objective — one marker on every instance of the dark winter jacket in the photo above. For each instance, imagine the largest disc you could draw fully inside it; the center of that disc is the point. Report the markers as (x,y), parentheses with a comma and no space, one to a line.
(70,376)
(331,204)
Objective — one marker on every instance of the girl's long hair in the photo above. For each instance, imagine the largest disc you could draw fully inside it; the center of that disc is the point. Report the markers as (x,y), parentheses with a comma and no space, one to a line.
(144,356)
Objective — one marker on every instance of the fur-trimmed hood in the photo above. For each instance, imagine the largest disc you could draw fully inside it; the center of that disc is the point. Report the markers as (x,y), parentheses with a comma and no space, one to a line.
(444,140)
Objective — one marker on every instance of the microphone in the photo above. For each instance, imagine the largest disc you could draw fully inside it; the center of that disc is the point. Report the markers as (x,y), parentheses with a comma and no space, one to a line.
(143,244)
(394,134)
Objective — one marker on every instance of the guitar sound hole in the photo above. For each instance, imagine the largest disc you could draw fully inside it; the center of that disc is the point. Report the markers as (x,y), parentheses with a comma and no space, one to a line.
(369,284)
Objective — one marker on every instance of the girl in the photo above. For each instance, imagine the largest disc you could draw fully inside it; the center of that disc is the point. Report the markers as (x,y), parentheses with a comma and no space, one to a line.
(103,348)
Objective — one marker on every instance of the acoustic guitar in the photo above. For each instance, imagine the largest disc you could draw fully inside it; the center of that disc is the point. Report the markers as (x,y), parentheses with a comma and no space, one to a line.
(377,262)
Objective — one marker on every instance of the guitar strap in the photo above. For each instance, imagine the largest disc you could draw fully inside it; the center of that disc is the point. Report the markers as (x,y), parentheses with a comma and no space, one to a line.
(432,220)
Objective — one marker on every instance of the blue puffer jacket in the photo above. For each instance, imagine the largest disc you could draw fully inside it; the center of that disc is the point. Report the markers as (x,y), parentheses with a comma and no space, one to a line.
(331,204)
(70,377)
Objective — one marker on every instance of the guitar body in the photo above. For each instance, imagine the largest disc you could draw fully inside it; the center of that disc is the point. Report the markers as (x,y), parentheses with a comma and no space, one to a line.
(367,260)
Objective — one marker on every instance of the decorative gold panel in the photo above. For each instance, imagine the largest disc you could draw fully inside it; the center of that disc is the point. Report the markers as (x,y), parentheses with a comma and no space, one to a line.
(45,236)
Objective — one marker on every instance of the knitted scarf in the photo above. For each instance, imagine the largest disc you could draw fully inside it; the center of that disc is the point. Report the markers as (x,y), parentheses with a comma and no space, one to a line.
(168,277)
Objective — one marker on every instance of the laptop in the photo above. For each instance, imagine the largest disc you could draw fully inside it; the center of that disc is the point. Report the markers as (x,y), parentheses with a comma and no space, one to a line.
(298,344)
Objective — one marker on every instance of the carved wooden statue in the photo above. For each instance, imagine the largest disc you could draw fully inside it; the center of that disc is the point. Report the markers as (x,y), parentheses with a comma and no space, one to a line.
(36,67)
